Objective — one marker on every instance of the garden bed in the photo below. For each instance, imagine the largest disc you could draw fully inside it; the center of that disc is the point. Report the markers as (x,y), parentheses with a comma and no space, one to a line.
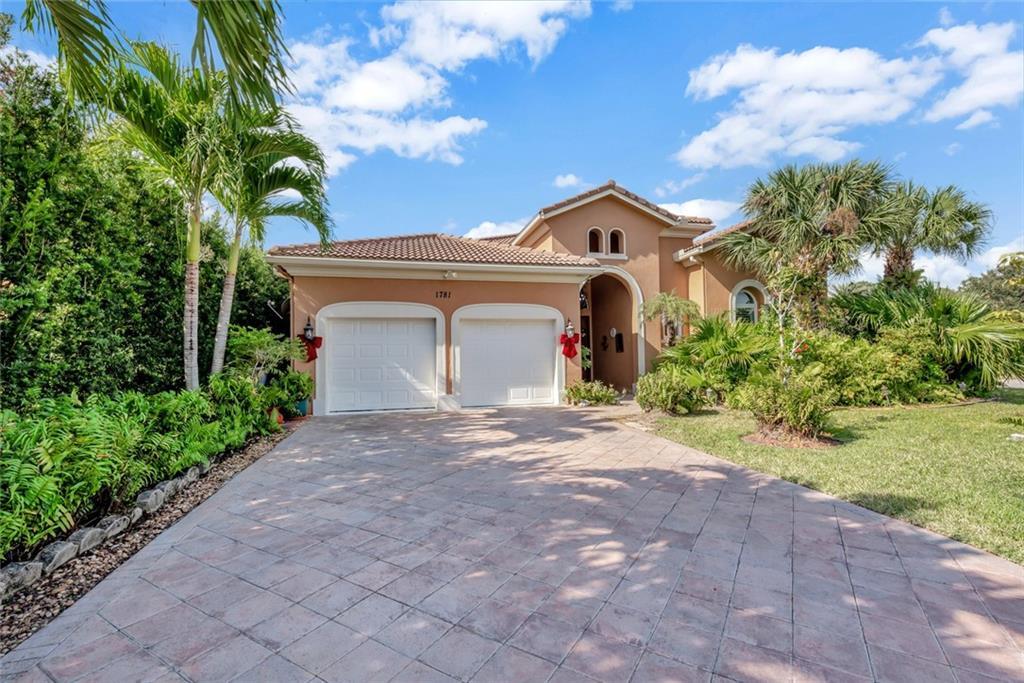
(953,469)
(33,607)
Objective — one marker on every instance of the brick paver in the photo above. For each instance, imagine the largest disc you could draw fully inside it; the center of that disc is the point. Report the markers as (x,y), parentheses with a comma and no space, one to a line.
(531,545)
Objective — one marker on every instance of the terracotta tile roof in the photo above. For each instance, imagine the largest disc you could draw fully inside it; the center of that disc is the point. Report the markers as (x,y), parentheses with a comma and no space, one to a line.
(632,195)
(710,237)
(434,247)
(499,239)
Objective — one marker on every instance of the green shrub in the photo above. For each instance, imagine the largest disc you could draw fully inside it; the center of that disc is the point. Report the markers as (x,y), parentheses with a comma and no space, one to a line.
(294,387)
(673,389)
(798,405)
(595,393)
(254,353)
(65,458)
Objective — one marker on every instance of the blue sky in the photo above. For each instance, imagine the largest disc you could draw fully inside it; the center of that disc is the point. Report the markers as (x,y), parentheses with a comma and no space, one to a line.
(468,118)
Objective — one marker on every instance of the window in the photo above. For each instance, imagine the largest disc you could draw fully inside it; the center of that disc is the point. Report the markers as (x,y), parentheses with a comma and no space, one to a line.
(616,242)
(744,306)
(594,239)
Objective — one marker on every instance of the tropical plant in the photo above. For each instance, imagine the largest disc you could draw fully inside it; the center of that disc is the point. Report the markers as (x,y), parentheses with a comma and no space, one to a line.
(672,389)
(674,311)
(176,119)
(942,222)
(975,346)
(295,387)
(276,171)
(254,353)
(811,220)
(594,393)
(798,405)
(723,350)
(245,36)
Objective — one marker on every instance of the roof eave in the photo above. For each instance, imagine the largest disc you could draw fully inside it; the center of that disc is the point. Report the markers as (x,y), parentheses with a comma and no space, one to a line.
(297,265)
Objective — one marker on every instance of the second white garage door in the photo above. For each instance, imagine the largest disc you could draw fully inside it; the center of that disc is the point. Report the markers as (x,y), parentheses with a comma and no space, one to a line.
(381,364)
(506,362)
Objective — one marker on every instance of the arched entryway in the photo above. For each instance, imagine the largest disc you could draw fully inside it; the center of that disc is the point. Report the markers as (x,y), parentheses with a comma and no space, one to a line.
(607,316)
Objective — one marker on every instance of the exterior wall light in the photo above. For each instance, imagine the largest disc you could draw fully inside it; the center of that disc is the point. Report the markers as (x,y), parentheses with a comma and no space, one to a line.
(308,331)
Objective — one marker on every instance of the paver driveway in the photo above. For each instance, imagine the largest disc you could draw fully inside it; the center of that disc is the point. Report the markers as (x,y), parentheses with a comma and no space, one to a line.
(532,545)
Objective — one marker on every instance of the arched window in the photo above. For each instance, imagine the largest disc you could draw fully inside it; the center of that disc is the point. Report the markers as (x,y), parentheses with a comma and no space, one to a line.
(616,242)
(744,306)
(595,239)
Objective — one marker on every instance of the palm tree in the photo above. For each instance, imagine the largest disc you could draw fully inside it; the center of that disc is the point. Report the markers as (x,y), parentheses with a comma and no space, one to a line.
(177,120)
(975,343)
(811,218)
(942,222)
(247,35)
(674,312)
(276,172)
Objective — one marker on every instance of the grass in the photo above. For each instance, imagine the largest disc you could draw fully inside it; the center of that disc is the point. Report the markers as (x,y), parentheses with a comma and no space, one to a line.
(950,468)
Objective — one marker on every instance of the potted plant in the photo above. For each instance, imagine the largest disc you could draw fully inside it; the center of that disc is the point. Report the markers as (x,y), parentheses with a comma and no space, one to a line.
(274,399)
(296,388)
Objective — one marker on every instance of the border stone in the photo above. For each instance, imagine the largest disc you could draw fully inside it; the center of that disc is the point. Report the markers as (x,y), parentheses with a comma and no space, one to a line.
(56,555)
(112,525)
(192,474)
(87,538)
(135,515)
(151,500)
(18,574)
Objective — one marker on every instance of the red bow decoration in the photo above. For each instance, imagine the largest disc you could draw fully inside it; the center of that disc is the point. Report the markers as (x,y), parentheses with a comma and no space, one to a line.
(569,344)
(311,346)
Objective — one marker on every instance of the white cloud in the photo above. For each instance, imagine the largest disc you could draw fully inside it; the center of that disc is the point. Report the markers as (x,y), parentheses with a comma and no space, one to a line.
(33,57)
(447,35)
(567,180)
(946,17)
(944,270)
(491,229)
(672,187)
(952,148)
(990,258)
(798,103)
(993,74)
(976,119)
(390,102)
(622,5)
(715,209)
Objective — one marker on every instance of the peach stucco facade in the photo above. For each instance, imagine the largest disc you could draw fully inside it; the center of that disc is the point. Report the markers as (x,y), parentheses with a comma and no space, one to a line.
(590,261)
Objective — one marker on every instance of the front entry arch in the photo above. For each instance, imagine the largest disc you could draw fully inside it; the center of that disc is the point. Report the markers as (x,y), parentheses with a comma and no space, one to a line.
(613,333)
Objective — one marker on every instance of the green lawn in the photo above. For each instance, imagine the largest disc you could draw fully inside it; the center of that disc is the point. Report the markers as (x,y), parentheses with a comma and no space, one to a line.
(948,468)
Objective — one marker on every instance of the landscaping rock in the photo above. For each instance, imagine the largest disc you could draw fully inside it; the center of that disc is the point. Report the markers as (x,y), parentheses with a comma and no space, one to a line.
(87,538)
(17,574)
(135,515)
(56,555)
(112,525)
(192,474)
(169,487)
(151,500)
(205,466)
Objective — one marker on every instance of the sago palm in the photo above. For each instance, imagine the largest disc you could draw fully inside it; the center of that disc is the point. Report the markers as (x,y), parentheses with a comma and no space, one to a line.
(245,34)
(276,172)
(811,218)
(943,222)
(176,119)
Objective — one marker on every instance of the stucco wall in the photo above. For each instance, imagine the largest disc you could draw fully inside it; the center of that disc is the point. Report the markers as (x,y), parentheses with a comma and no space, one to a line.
(310,294)
(718,283)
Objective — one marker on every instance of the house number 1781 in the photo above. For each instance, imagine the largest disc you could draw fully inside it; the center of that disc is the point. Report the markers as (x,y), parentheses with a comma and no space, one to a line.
(442,294)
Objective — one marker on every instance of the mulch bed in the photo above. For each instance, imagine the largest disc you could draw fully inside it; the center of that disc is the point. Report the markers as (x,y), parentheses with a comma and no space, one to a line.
(34,607)
(788,440)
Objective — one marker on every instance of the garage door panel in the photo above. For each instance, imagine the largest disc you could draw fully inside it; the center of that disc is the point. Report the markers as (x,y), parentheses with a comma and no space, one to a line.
(506,362)
(381,364)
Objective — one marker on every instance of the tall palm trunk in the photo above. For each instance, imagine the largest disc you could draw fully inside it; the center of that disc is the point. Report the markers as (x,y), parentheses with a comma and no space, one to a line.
(227,297)
(191,316)
(899,264)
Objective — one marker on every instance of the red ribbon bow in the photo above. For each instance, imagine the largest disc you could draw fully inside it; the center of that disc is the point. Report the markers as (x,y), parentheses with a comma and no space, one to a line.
(569,344)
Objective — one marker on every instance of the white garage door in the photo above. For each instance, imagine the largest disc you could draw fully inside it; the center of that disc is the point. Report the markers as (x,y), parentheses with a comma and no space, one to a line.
(381,363)
(506,362)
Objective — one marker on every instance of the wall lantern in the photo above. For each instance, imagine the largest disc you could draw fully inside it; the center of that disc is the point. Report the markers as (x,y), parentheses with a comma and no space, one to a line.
(307,331)
(569,329)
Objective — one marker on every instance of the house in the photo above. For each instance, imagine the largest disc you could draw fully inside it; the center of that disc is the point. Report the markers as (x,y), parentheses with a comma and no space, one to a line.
(434,320)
